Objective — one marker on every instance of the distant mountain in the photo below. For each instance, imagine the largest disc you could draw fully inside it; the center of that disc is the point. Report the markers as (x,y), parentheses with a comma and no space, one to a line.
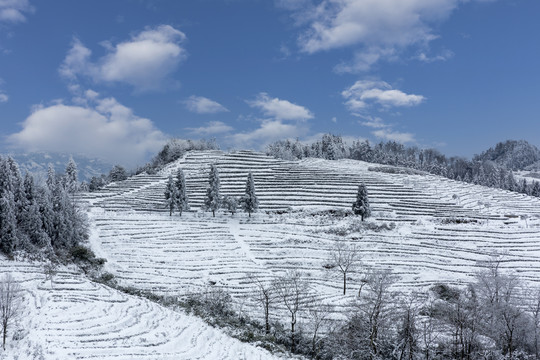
(38,163)
(515,155)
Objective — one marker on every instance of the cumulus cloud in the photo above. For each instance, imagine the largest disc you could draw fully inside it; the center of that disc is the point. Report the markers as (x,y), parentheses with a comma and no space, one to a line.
(145,61)
(443,56)
(397,136)
(202,105)
(3,97)
(375,29)
(268,131)
(211,128)
(364,93)
(13,11)
(106,129)
(280,109)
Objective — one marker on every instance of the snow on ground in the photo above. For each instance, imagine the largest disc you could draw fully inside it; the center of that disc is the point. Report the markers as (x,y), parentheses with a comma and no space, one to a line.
(441,230)
(77,319)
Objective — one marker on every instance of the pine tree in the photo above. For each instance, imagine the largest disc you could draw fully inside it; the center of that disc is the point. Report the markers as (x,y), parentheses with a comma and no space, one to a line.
(170,195)
(51,178)
(250,202)
(181,196)
(8,224)
(361,205)
(212,201)
(71,182)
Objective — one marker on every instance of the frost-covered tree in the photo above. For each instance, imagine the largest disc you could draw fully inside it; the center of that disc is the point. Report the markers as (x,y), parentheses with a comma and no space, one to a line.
(250,202)
(71,181)
(182,202)
(212,200)
(170,195)
(51,178)
(361,205)
(10,292)
(344,259)
(230,203)
(118,173)
(8,223)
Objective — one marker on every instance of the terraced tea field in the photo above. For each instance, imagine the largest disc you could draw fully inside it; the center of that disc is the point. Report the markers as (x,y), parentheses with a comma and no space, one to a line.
(440,230)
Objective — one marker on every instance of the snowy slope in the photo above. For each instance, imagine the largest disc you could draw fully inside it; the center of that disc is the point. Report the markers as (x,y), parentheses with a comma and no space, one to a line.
(148,249)
(77,319)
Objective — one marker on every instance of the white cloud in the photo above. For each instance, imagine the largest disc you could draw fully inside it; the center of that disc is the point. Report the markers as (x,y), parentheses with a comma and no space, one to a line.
(211,128)
(13,10)
(375,29)
(280,109)
(3,97)
(269,131)
(443,56)
(144,62)
(202,105)
(374,122)
(394,136)
(363,93)
(106,130)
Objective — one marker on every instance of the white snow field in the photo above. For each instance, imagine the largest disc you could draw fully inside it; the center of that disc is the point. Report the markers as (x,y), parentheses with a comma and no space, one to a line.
(79,319)
(443,229)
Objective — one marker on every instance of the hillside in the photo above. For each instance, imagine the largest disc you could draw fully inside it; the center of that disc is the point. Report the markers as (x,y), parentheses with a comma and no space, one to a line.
(512,154)
(74,318)
(425,228)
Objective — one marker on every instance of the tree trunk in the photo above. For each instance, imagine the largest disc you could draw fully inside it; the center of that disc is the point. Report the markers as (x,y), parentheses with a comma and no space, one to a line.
(344,283)
(249,212)
(213,213)
(4,336)
(292,336)
(266,318)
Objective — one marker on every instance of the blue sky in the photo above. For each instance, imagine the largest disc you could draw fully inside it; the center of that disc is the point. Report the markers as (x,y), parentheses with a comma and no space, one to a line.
(116,79)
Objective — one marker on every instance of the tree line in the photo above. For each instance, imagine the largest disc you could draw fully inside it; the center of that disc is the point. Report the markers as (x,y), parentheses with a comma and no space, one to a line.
(481,170)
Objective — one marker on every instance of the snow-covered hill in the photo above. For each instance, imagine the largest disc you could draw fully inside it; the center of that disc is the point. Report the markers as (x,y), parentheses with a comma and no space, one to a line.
(441,230)
(73,318)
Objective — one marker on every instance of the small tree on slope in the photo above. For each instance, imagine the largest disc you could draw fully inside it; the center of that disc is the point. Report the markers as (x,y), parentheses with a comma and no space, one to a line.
(170,195)
(181,197)
(361,205)
(250,202)
(212,201)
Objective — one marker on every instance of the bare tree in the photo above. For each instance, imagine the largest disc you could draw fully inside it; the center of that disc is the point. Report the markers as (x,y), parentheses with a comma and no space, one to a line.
(376,306)
(319,317)
(291,288)
(534,310)
(265,296)
(10,292)
(408,334)
(50,269)
(345,259)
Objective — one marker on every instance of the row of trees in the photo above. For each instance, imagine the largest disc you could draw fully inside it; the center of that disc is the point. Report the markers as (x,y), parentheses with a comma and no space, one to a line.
(481,170)
(39,218)
(487,319)
(177,199)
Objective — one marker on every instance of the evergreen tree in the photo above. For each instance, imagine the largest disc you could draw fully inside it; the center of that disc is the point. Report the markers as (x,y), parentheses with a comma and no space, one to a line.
(71,182)
(181,196)
(8,224)
(250,202)
(51,178)
(170,195)
(212,201)
(535,190)
(361,205)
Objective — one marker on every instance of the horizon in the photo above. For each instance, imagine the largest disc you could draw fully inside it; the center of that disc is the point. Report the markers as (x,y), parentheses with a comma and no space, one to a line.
(436,74)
